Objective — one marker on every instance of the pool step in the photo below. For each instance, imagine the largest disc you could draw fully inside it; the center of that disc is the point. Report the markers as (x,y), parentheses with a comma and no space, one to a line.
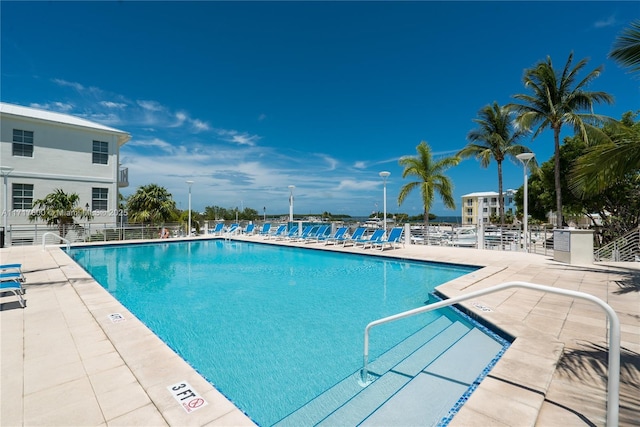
(431,394)
(439,335)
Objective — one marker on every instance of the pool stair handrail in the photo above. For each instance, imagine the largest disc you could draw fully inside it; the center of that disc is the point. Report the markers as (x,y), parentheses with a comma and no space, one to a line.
(613,381)
(51,233)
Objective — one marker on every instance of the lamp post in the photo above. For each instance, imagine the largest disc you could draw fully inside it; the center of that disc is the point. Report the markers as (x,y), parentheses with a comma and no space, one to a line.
(291,187)
(189,231)
(384,175)
(264,212)
(525,158)
(5,170)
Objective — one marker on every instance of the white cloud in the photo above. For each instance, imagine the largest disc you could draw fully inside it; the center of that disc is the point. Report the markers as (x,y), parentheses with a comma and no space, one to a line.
(150,105)
(238,138)
(333,163)
(115,105)
(261,117)
(199,125)
(360,165)
(608,22)
(76,86)
(154,142)
(61,107)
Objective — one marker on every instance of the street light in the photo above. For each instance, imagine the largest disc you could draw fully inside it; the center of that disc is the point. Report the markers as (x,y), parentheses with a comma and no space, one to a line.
(6,170)
(190,183)
(291,187)
(525,158)
(384,175)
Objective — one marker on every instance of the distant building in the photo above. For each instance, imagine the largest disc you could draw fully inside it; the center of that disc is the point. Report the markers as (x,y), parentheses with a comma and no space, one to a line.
(478,208)
(41,151)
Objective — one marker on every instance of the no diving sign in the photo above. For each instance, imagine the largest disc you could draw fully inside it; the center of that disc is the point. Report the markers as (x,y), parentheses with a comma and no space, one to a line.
(187,396)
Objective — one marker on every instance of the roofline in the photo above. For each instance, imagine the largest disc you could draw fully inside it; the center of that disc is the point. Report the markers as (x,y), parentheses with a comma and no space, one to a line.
(38,114)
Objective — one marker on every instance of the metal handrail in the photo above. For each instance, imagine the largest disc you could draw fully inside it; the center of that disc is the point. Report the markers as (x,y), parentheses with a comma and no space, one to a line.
(44,239)
(613,382)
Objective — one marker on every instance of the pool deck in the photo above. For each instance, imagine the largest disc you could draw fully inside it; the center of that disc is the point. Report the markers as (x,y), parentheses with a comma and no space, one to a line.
(66,362)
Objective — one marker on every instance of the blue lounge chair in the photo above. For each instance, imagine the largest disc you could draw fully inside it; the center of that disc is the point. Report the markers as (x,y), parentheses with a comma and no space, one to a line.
(12,268)
(250,228)
(292,233)
(368,241)
(15,287)
(338,236)
(394,239)
(233,229)
(265,229)
(320,234)
(217,229)
(278,232)
(306,232)
(357,235)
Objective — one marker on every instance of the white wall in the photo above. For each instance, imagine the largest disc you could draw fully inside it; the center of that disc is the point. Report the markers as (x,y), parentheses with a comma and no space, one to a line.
(62,158)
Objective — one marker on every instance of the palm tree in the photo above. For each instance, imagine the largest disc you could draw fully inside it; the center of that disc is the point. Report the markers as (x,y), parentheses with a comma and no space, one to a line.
(559,99)
(430,178)
(59,208)
(605,164)
(494,138)
(626,48)
(151,203)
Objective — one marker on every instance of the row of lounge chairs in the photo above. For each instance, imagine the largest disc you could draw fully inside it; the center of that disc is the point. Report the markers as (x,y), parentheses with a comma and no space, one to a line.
(11,279)
(322,234)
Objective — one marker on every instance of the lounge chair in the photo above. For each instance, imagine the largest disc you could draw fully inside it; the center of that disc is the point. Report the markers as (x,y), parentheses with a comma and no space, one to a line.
(278,232)
(250,228)
(369,241)
(217,229)
(394,239)
(233,229)
(357,235)
(15,287)
(306,232)
(320,234)
(265,229)
(12,268)
(292,233)
(336,237)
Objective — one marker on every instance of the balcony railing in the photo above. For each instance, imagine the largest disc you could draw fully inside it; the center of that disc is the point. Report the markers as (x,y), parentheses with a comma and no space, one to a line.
(123,178)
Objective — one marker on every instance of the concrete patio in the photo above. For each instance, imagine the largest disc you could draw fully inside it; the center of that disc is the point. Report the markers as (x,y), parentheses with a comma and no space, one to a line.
(66,362)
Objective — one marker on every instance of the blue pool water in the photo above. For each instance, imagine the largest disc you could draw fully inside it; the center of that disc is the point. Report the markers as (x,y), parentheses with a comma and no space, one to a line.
(271,327)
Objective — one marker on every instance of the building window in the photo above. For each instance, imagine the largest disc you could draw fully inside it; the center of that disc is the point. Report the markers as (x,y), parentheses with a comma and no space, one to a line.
(469,211)
(100,152)
(510,200)
(22,143)
(100,199)
(469,202)
(22,196)
(485,210)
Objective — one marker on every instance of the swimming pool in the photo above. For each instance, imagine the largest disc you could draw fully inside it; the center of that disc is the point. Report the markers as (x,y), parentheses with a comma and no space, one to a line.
(271,327)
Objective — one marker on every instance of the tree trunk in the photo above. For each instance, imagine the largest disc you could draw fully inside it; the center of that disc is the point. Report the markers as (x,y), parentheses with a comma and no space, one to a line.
(556,140)
(500,199)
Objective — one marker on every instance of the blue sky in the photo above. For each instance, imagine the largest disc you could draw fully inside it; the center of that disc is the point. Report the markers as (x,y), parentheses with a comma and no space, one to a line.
(247,98)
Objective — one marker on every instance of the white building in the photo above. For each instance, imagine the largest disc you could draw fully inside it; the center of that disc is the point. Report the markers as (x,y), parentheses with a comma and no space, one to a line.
(478,208)
(41,151)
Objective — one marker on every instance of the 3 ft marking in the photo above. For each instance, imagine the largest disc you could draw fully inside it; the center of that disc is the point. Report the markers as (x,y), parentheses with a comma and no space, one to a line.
(187,396)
